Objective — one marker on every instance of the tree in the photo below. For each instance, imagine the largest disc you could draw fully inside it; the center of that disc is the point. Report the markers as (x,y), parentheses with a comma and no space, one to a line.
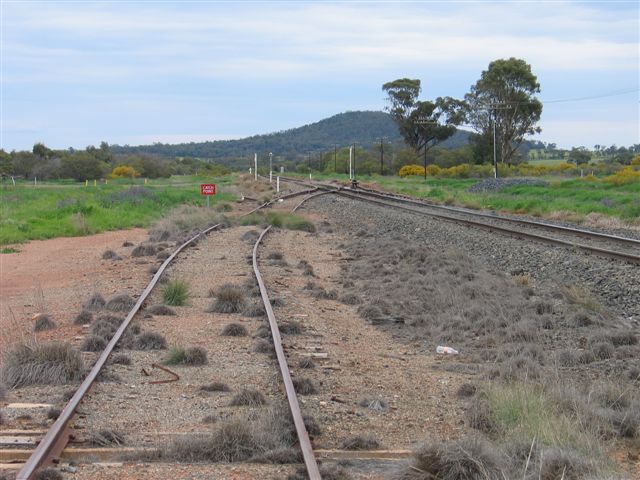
(579,155)
(504,94)
(124,171)
(422,124)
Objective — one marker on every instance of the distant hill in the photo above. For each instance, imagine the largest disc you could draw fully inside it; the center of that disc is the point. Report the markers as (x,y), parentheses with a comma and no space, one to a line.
(364,128)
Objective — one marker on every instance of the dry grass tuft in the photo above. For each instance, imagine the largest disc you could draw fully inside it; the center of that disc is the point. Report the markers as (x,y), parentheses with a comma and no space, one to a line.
(41,364)
(93,343)
(195,356)
(120,359)
(161,310)
(215,387)
(149,341)
(144,250)
(375,404)
(306,362)
(120,303)
(248,398)
(96,302)
(53,413)
(466,390)
(83,318)
(557,464)
(360,442)
(110,255)
(263,331)
(106,438)
(234,330)
(48,474)
(254,309)
(304,386)
(229,299)
(327,472)
(290,327)
(262,346)
(43,322)
(469,458)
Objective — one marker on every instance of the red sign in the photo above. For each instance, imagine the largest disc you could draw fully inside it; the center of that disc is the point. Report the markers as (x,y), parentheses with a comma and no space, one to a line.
(207,189)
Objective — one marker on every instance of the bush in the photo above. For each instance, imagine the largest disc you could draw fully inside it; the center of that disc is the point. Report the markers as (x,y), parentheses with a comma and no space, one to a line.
(229,299)
(248,398)
(149,341)
(160,310)
(175,293)
(111,255)
(144,251)
(234,330)
(43,322)
(120,303)
(215,387)
(95,303)
(624,177)
(409,170)
(195,356)
(360,442)
(41,364)
(84,317)
(93,343)
(304,386)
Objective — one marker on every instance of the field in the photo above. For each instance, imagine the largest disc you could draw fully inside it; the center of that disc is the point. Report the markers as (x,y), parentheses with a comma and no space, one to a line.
(570,199)
(62,209)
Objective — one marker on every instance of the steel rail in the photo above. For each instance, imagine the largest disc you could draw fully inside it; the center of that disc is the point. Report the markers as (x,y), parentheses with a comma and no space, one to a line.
(303,436)
(464,211)
(57,435)
(603,252)
(518,233)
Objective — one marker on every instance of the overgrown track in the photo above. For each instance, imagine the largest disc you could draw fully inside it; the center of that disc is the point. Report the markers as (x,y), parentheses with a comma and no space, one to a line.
(58,435)
(605,245)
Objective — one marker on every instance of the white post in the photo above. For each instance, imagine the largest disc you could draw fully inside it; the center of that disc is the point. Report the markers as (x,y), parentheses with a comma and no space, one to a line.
(255,165)
(270,176)
(281,169)
(35,180)
(350,160)
(270,167)
(250,170)
(277,184)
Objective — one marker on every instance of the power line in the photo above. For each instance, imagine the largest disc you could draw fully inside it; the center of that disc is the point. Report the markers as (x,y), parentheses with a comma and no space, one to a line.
(507,104)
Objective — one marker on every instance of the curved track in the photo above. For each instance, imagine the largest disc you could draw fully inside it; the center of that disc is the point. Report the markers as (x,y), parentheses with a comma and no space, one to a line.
(605,245)
(58,435)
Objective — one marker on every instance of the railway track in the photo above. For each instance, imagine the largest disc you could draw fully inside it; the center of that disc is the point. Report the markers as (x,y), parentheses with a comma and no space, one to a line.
(601,244)
(56,438)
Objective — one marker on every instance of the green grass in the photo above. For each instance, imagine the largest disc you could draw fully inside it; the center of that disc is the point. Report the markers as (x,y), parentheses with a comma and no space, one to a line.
(8,250)
(175,293)
(573,196)
(176,356)
(62,209)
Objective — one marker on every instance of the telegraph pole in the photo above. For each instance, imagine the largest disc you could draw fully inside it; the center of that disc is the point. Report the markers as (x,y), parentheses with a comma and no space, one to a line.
(495,159)
(381,156)
(335,158)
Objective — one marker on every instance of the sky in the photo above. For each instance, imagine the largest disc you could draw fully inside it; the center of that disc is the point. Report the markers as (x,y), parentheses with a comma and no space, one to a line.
(76,73)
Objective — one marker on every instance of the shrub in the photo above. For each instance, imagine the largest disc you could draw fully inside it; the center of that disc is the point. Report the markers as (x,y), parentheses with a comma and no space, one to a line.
(110,255)
(410,170)
(291,327)
(106,438)
(215,387)
(262,346)
(624,177)
(254,309)
(144,250)
(93,343)
(160,310)
(43,322)
(304,386)
(48,474)
(229,299)
(195,356)
(175,293)
(469,458)
(95,302)
(234,330)
(124,171)
(248,398)
(120,359)
(83,318)
(376,404)
(41,364)
(306,362)
(149,341)
(120,303)
(175,356)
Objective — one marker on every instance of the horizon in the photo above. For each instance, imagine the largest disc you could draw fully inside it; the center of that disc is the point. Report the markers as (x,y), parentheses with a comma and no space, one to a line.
(140,73)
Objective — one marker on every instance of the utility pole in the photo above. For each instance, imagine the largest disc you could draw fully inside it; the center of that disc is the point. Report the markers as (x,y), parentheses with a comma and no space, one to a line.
(381,156)
(255,164)
(495,159)
(335,158)
(270,166)
(350,162)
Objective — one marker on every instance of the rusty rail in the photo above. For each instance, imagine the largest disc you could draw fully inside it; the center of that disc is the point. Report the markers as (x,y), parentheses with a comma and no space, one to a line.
(58,435)
(303,436)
